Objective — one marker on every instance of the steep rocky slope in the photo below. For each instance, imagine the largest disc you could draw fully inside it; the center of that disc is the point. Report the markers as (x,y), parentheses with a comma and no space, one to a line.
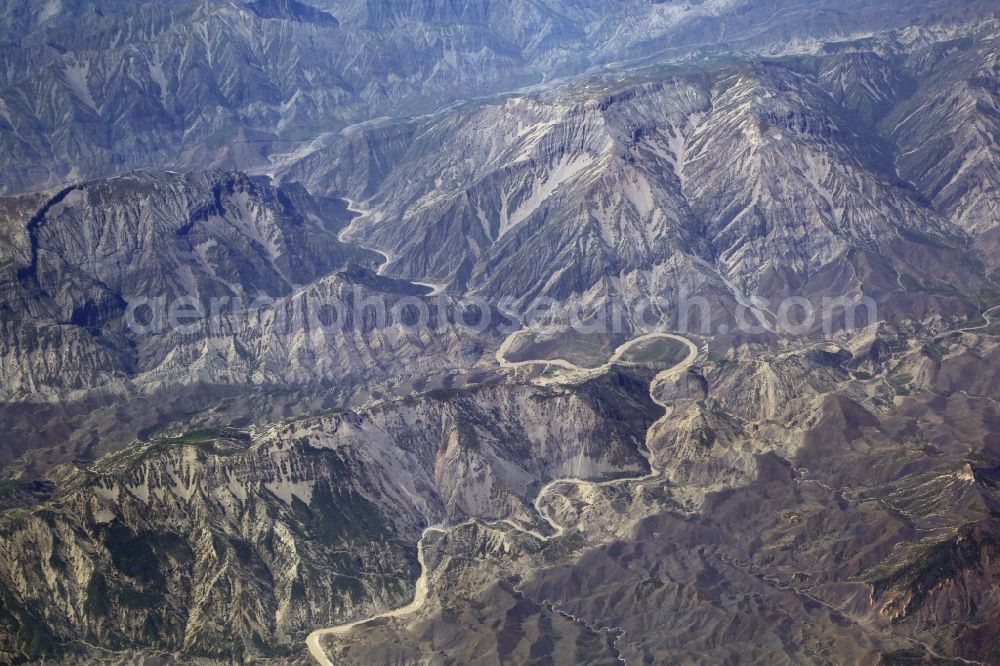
(99,269)
(88,89)
(215,490)
(192,542)
(948,132)
(136,286)
(751,180)
(845,521)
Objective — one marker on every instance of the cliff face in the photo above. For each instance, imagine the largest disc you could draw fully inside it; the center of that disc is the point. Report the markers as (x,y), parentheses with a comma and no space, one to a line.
(803,514)
(98,271)
(748,180)
(90,90)
(194,542)
(217,488)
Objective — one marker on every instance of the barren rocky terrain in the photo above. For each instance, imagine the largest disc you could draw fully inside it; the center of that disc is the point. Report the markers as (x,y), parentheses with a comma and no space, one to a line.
(443,332)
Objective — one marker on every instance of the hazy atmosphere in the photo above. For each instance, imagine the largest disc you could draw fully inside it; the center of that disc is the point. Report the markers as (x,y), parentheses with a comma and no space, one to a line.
(433,332)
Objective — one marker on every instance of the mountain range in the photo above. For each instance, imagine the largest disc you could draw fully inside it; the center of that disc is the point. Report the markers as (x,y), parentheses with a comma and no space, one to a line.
(461,331)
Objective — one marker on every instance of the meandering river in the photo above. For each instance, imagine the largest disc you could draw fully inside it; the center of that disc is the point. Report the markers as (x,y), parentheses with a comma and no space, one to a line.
(314,641)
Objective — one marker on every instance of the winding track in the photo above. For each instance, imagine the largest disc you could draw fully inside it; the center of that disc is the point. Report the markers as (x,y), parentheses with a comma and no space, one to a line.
(314,641)
(421,586)
(986,317)
(419,597)
(614,359)
(349,229)
(363,214)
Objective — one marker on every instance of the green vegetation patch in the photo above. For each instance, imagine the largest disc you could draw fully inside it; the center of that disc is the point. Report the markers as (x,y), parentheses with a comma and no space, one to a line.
(664,352)
(901,383)
(935,350)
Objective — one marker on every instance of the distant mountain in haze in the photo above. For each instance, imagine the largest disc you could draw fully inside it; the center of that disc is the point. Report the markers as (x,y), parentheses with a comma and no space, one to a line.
(447,331)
